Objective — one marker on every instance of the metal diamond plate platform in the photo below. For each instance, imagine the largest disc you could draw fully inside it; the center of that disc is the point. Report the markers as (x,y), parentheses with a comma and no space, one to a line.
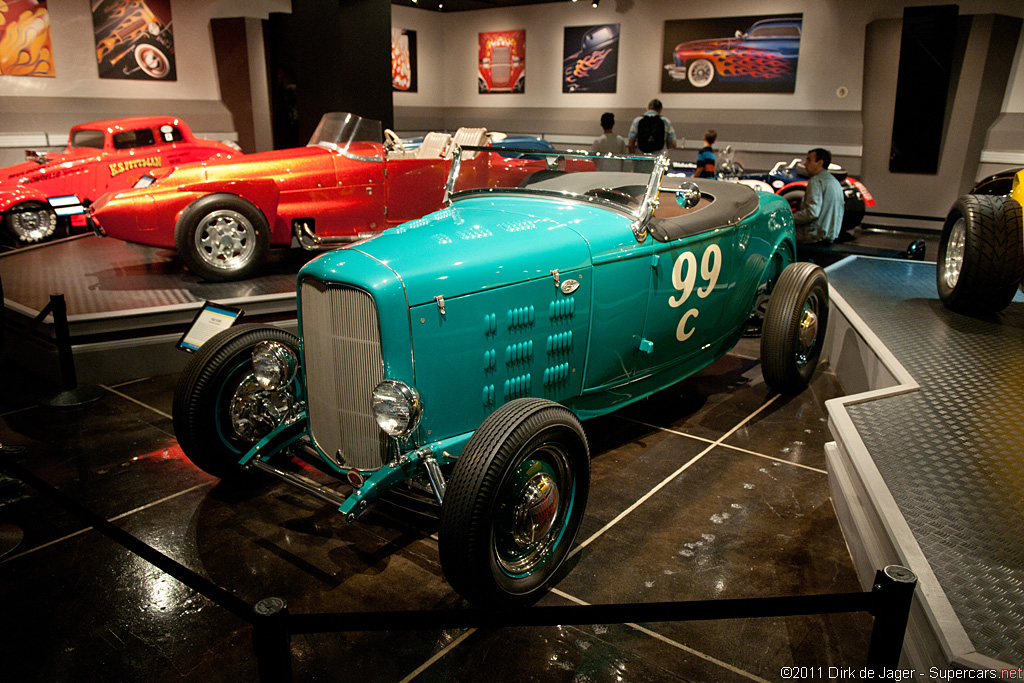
(951,454)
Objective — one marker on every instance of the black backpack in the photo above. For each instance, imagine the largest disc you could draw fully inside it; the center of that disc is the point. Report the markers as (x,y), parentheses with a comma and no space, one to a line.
(650,133)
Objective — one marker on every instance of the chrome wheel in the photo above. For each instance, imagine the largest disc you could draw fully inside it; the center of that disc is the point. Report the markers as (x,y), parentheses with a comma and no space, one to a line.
(534,504)
(953,261)
(700,73)
(225,239)
(254,411)
(33,224)
(807,334)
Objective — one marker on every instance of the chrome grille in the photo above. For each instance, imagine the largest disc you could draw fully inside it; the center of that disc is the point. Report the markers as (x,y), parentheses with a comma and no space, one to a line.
(343,363)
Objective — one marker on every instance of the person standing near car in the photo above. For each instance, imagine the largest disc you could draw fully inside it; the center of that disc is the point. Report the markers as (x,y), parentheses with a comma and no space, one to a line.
(651,132)
(608,143)
(821,212)
(706,156)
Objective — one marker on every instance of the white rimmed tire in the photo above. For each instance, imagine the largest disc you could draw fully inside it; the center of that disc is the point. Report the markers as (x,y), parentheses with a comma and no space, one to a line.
(981,254)
(700,73)
(514,503)
(222,237)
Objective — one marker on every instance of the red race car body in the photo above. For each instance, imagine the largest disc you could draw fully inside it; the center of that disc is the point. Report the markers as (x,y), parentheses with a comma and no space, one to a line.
(100,157)
(346,185)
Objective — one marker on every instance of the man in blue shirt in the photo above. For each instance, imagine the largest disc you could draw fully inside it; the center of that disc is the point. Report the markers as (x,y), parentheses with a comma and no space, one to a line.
(821,212)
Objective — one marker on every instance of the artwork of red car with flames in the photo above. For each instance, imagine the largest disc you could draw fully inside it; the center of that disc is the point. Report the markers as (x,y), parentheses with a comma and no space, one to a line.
(134,39)
(768,52)
(25,48)
(502,62)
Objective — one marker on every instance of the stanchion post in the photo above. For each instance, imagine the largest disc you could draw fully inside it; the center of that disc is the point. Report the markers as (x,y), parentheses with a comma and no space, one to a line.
(271,641)
(72,394)
(893,593)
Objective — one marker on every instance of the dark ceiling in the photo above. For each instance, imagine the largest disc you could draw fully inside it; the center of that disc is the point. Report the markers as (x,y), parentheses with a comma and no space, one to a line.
(463,5)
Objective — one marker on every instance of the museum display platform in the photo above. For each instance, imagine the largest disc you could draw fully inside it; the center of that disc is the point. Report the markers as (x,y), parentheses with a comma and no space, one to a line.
(926,467)
(127,304)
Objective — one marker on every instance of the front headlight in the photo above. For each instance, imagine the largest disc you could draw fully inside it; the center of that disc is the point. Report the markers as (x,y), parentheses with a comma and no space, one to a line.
(273,365)
(397,407)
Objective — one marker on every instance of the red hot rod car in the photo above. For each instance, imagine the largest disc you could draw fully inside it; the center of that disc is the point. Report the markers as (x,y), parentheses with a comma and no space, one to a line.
(222,218)
(100,157)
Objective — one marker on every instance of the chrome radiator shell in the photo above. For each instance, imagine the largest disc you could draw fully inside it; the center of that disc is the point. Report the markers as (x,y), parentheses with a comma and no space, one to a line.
(342,365)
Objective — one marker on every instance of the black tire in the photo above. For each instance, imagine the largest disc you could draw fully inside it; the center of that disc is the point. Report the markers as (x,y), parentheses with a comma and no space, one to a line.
(795,197)
(981,254)
(794,327)
(222,237)
(30,223)
(202,397)
(525,441)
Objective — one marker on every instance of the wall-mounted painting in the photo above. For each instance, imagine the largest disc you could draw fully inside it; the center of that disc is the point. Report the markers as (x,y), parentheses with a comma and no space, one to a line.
(590,60)
(403,60)
(754,54)
(502,62)
(134,39)
(25,48)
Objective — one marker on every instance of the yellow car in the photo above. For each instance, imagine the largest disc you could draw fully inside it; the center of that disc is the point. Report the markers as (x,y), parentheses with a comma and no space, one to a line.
(981,251)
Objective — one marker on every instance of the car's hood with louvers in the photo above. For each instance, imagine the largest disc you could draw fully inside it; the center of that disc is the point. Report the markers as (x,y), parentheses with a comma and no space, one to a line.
(479,244)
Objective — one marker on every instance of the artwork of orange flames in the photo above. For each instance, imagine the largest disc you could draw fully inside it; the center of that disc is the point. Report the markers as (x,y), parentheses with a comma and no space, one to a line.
(25,48)
(401,63)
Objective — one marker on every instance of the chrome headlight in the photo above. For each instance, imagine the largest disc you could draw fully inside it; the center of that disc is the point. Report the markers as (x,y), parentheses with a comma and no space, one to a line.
(273,365)
(397,407)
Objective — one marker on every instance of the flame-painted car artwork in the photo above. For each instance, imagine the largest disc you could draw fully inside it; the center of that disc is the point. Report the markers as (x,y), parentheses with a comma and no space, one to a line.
(132,41)
(981,249)
(502,62)
(458,354)
(594,67)
(345,185)
(37,194)
(768,52)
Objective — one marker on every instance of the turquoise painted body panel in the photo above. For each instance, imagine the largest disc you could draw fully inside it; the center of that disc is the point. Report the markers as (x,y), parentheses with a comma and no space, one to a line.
(635,317)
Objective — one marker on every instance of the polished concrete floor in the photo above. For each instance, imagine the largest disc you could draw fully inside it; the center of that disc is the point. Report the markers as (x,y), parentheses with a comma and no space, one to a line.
(713,489)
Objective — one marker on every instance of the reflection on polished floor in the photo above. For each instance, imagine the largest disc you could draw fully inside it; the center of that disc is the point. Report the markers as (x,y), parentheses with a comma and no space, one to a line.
(712,489)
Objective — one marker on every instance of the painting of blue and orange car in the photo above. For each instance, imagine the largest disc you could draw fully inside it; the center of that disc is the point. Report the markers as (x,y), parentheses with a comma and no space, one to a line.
(590,60)
(760,56)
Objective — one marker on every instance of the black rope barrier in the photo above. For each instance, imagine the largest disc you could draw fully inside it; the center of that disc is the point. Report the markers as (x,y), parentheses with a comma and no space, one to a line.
(273,626)
(72,394)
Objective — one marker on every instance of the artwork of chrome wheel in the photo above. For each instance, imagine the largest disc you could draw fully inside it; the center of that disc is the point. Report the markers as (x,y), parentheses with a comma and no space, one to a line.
(700,73)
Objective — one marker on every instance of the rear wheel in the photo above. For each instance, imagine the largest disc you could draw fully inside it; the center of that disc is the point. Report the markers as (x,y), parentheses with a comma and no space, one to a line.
(222,237)
(794,327)
(514,503)
(220,411)
(981,254)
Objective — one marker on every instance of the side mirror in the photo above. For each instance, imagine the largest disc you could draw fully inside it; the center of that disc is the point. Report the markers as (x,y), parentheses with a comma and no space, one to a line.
(688,195)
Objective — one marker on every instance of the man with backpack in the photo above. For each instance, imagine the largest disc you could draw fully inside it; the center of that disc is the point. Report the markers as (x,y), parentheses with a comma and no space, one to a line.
(651,132)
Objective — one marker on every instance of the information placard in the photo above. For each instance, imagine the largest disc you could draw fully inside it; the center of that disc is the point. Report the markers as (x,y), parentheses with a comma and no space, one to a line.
(211,319)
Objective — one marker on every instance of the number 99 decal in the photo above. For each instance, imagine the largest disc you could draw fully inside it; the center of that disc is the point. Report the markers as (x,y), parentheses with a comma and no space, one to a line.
(710,268)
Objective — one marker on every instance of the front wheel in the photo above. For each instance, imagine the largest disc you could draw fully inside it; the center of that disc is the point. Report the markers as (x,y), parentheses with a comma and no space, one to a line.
(981,254)
(700,73)
(794,327)
(220,410)
(514,503)
(222,237)
(30,222)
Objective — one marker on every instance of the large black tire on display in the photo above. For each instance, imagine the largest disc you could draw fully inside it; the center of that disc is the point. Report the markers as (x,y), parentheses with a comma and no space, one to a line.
(794,327)
(981,254)
(202,398)
(222,237)
(514,503)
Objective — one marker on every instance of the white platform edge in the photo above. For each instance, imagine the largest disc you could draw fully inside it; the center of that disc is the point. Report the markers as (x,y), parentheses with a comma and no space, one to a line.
(876,532)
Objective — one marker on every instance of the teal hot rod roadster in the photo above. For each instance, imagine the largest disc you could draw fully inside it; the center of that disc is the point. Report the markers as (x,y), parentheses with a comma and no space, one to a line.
(463,349)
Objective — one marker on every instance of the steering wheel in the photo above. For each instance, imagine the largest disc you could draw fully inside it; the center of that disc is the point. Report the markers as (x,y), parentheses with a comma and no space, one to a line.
(611,195)
(393,139)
